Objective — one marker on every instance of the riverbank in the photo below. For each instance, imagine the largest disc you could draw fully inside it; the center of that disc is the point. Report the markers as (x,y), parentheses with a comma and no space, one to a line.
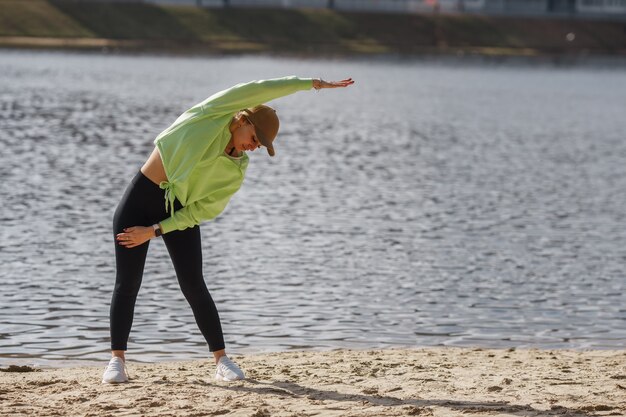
(389,382)
(191,30)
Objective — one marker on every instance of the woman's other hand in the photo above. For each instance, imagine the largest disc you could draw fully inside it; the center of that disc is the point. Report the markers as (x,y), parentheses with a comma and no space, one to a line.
(318,83)
(135,236)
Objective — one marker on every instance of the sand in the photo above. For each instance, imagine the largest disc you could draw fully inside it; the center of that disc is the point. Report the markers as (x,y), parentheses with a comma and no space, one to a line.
(389,382)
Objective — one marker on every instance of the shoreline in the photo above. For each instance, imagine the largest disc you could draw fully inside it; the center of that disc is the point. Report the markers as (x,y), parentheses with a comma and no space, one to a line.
(437,381)
(473,57)
(38,363)
(177,48)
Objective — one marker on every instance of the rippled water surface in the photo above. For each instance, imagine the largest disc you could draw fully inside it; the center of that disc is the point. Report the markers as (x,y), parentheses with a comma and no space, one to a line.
(431,203)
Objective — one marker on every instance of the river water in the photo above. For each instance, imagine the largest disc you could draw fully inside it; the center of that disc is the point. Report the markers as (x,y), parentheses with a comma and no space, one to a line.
(431,203)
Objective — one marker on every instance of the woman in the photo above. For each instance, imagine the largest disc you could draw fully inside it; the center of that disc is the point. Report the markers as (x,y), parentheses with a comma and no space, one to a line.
(198,163)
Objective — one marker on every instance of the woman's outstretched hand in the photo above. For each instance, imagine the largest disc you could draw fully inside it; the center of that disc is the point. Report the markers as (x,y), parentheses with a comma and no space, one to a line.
(318,83)
(135,236)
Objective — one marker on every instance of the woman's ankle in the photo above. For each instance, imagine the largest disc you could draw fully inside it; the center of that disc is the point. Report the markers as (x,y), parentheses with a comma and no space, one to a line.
(218,354)
(119,354)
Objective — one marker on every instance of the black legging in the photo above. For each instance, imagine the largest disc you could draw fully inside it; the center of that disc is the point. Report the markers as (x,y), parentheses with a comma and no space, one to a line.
(143,204)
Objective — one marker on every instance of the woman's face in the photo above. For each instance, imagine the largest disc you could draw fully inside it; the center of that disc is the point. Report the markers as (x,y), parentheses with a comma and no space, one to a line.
(244,138)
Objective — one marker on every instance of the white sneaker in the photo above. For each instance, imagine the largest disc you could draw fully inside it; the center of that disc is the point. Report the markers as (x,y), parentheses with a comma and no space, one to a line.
(116,372)
(227,370)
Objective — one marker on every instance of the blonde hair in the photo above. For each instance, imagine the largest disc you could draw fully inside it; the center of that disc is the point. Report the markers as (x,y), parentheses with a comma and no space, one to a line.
(243,113)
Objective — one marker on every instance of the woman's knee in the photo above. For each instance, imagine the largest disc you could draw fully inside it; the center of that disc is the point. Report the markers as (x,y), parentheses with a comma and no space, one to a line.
(193,287)
(127,285)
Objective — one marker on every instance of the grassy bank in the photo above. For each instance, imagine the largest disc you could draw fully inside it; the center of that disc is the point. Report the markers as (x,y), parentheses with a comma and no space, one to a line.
(69,24)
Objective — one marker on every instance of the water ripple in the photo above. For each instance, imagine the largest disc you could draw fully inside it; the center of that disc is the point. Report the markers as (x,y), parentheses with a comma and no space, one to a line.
(430,204)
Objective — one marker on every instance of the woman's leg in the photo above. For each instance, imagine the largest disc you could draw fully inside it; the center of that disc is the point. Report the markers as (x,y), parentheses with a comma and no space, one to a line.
(185,250)
(131,211)
(130,264)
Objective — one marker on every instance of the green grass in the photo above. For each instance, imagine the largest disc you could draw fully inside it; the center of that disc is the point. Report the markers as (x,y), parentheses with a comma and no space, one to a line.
(126,21)
(37,18)
(305,30)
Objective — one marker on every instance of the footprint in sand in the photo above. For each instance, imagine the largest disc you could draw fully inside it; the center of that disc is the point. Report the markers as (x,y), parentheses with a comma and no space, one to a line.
(17,368)
(44,383)
(369,391)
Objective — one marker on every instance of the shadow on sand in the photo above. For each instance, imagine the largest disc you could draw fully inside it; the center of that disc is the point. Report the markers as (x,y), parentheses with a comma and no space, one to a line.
(412,406)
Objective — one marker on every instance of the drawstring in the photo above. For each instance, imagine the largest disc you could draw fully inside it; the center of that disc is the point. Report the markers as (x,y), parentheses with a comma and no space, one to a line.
(169,196)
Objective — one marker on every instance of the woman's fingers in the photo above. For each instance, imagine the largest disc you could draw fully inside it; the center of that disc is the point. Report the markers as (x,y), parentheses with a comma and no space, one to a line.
(134,236)
(125,239)
(342,83)
(319,83)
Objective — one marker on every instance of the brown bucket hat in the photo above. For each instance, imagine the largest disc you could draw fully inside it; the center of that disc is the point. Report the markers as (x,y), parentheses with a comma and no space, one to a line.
(265,123)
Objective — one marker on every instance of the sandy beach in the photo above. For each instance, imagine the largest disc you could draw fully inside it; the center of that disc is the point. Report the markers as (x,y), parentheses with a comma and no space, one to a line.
(389,382)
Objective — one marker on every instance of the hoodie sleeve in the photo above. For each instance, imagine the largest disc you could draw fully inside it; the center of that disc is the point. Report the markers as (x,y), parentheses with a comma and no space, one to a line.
(253,93)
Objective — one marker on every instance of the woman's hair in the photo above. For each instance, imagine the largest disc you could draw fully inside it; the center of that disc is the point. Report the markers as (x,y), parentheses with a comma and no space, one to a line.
(242,113)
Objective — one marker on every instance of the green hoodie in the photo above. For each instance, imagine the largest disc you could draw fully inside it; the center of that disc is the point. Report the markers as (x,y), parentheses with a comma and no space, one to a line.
(200,175)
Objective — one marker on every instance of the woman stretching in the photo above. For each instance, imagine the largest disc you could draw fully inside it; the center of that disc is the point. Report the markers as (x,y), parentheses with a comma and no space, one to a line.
(198,163)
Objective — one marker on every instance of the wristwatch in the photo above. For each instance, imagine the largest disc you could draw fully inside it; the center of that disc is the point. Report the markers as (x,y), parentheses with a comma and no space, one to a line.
(157,230)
